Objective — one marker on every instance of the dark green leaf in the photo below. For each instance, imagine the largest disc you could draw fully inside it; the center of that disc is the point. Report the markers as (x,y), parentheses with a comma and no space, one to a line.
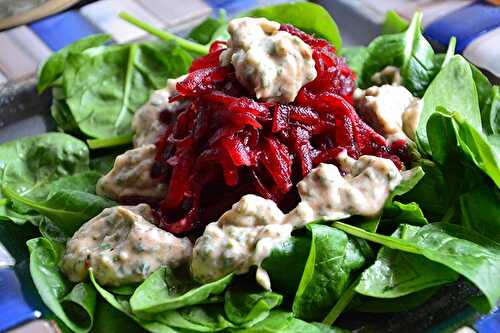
(164,291)
(396,273)
(465,251)
(108,319)
(480,210)
(356,57)
(398,304)
(327,273)
(207,30)
(80,303)
(286,264)
(490,114)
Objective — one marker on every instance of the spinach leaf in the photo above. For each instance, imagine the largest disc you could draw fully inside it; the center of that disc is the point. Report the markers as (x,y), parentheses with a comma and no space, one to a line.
(207,318)
(108,319)
(483,87)
(102,97)
(342,303)
(122,304)
(490,114)
(164,291)
(397,212)
(395,273)
(53,67)
(398,304)
(206,31)
(284,322)
(246,308)
(80,304)
(408,51)
(30,163)
(481,150)
(83,182)
(466,252)
(480,210)
(103,163)
(455,76)
(67,209)
(306,16)
(332,258)
(431,192)
(394,23)
(52,287)
(286,264)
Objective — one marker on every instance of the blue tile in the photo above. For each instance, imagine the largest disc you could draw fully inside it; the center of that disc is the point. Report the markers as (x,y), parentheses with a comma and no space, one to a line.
(465,24)
(233,6)
(60,30)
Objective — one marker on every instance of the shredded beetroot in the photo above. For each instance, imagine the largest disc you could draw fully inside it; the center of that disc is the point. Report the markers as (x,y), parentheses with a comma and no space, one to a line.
(223,143)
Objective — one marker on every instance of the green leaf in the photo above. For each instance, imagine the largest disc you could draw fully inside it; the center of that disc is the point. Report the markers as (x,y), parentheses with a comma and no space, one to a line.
(206,31)
(108,319)
(480,210)
(408,51)
(110,142)
(80,303)
(284,322)
(395,273)
(53,67)
(164,291)
(122,304)
(247,308)
(104,86)
(286,264)
(332,258)
(306,16)
(207,318)
(67,209)
(394,23)
(466,252)
(491,113)
(455,76)
(398,304)
(52,287)
(410,213)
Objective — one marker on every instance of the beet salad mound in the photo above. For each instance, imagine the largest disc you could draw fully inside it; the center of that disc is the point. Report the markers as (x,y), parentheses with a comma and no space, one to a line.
(253,118)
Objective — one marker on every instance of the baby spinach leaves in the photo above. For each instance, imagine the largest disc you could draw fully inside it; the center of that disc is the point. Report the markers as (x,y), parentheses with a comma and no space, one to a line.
(76,309)
(332,258)
(466,252)
(395,273)
(163,290)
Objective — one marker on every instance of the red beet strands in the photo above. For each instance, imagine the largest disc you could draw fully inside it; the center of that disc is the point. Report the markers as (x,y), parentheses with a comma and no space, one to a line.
(222,143)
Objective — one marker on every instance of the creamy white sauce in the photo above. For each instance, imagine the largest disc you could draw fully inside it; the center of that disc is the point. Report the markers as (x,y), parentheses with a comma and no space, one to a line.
(131,176)
(274,64)
(122,247)
(389,109)
(146,123)
(243,237)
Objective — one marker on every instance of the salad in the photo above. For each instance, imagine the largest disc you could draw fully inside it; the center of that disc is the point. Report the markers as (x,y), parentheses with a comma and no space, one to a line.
(257,177)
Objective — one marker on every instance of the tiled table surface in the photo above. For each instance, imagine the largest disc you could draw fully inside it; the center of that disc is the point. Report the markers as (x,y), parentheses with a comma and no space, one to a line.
(23,48)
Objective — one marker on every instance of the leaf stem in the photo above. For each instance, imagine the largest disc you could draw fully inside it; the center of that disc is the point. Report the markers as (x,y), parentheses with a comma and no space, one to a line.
(164,35)
(390,242)
(110,142)
(341,304)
